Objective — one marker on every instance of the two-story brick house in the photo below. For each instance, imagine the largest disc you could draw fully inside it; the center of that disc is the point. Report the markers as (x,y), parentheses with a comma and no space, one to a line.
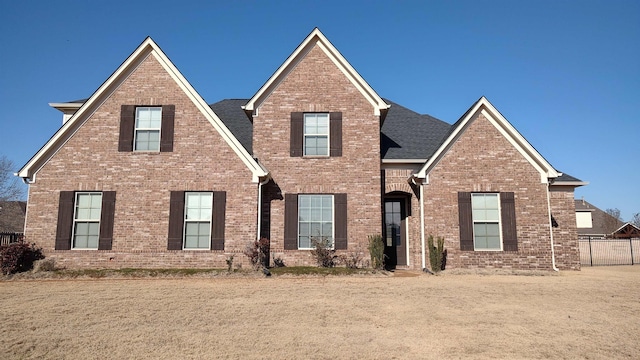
(145,174)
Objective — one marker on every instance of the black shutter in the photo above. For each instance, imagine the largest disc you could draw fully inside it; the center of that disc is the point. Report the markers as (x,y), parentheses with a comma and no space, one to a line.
(166,133)
(217,228)
(508,217)
(340,221)
(465,218)
(127,127)
(106,220)
(335,134)
(65,220)
(176,220)
(290,221)
(297,125)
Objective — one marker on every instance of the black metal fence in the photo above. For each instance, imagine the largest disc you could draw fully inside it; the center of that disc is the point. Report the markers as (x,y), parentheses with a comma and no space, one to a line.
(597,251)
(7,238)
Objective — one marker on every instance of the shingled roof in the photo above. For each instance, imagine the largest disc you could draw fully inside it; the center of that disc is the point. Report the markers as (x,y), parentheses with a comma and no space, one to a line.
(404,135)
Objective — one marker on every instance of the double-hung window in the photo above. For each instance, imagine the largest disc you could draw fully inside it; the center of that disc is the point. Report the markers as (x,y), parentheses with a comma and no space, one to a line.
(315,220)
(316,134)
(147,129)
(486,221)
(86,220)
(197,220)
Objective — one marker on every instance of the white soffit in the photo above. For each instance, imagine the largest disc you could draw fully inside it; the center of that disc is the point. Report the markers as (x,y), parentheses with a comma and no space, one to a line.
(484,107)
(316,38)
(148,47)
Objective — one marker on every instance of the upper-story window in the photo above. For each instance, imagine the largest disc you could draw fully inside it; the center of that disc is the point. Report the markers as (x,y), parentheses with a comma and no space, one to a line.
(147,129)
(316,134)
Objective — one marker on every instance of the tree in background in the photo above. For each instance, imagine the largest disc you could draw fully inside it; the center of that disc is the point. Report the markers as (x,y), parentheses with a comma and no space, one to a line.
(10,186)
(613,221)
(635,220)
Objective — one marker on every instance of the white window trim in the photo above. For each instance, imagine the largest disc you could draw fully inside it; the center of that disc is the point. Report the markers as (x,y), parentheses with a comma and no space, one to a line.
(333,222)
(304,135)
(499,222)
(73,226)
(136,129)
(185,221)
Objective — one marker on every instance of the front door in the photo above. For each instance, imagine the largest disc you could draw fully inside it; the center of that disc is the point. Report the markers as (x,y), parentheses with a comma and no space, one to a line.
(395,233)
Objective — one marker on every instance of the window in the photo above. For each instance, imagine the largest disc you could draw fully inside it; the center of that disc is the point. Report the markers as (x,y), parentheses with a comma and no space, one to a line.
(197,220)
(316,134)
(486,221)
(147,129)
(86,220)
(315,220)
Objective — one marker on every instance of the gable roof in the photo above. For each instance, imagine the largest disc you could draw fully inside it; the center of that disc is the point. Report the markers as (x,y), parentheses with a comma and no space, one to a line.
(316,38)
(231,113)
(484,107)
(627,231)
(147,48)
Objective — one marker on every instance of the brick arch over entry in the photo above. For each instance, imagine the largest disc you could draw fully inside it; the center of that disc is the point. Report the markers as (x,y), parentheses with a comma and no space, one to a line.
(398,187)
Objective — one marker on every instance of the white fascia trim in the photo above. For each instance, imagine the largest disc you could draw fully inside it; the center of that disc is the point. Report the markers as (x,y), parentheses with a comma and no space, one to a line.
(335,56)
(256,169)
(64,106)
(147,47)
(570,183)
(506,129)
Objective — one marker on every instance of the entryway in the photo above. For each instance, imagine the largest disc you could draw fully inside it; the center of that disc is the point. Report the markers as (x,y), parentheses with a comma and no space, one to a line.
(395,233)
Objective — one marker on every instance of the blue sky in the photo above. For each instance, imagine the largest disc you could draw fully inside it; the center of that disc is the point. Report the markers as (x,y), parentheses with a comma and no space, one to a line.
(566,74)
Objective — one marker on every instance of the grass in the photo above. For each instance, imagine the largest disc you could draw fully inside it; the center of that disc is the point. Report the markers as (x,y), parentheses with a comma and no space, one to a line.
(587,314)
(176,273)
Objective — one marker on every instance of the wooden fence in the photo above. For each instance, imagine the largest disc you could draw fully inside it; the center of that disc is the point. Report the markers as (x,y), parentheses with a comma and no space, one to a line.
(595,251)
(7,238)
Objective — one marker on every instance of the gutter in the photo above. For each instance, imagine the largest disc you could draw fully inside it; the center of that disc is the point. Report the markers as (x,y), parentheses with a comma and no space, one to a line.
(553,253)
(260,184)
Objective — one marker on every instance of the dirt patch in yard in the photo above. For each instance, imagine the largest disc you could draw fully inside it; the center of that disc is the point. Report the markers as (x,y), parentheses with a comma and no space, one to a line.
(589,314)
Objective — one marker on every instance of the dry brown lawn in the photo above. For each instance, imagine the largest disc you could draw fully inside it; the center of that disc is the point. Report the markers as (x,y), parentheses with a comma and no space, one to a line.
(592,314)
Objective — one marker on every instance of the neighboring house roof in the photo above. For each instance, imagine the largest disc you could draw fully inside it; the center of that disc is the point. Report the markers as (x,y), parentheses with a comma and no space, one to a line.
(406,134)
(602,223)
(12,214)
(627,231)
(316,38)
(484,107)
(147,48)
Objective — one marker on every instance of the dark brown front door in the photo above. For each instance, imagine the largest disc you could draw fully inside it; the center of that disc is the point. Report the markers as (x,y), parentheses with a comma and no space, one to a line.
(395,232)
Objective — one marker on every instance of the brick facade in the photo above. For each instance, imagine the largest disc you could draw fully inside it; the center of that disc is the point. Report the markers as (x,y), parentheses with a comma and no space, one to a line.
(316,84)
(90,160)
(481,159)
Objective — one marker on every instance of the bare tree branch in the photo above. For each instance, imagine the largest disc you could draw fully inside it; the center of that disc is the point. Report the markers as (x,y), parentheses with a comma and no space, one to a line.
(11,188)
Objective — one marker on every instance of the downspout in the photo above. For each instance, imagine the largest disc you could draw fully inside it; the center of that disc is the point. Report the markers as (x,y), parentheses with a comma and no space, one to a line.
(553,253)
(260,184)
(413,180)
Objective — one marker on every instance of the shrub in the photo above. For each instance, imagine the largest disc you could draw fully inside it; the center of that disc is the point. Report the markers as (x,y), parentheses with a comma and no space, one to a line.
(257,251)
(324,254)
(351,260)
(376,251)
(278,262)
(18,257)
(437,253)
(44,265)
(230,263)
